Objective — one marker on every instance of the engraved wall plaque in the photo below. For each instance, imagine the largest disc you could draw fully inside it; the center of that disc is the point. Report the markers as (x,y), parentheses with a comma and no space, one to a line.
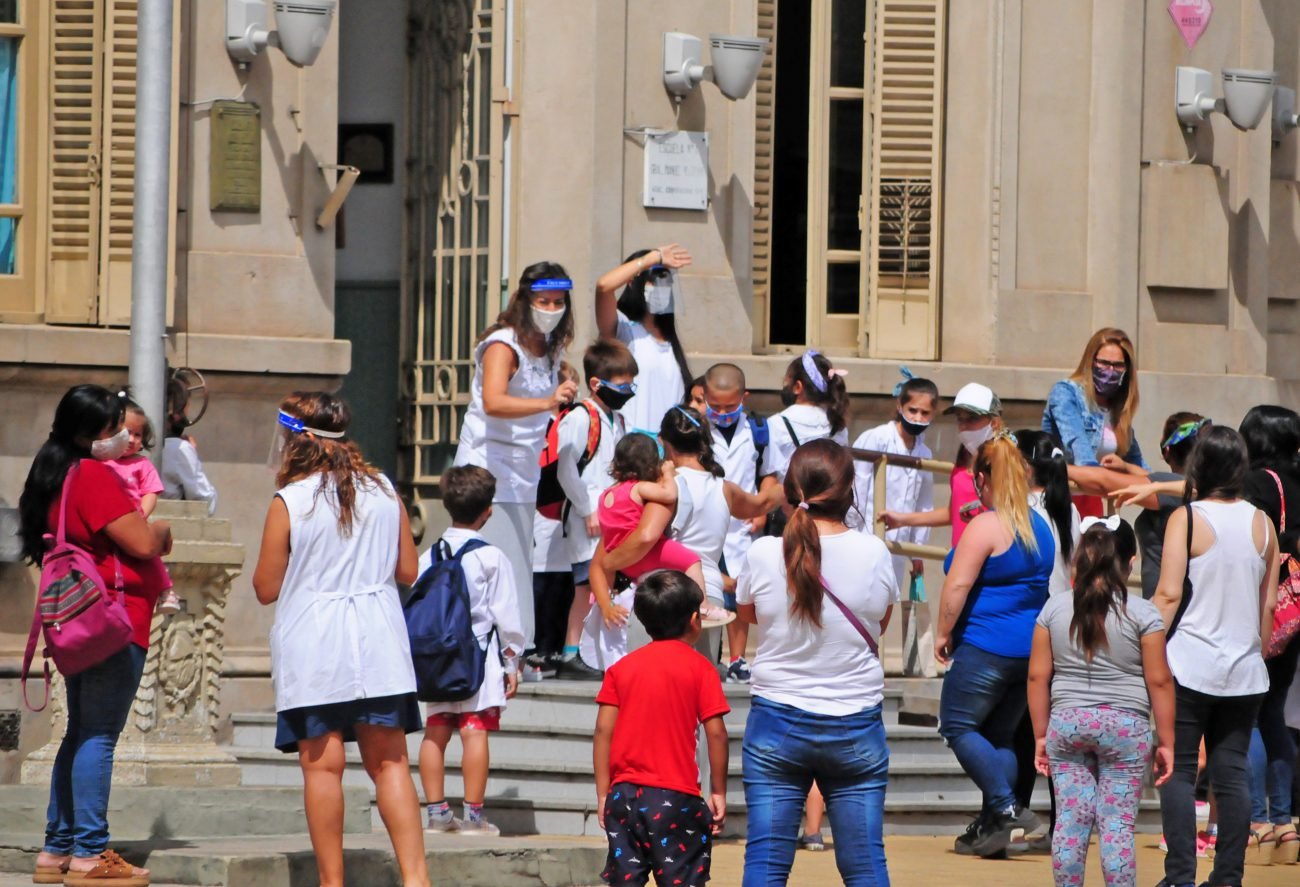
(235,165)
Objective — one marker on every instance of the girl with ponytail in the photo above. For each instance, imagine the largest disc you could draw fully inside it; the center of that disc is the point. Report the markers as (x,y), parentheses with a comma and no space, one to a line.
(816,406)
(997,579)
(1096,674)
(823,594)
(1049,495)
(335,590)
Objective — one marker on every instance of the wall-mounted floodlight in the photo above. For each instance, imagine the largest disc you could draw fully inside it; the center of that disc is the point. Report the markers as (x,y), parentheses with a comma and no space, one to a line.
(301,27)
(1246,94)
(1285,118)
(734,68)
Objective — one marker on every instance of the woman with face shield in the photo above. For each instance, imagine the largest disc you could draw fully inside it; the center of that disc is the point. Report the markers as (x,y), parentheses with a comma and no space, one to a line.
(515,390)
(644,318)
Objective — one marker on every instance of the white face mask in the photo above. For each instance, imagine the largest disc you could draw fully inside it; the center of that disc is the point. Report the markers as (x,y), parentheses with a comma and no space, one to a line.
(111,447)
(972,440)
(546,321)
(661,294)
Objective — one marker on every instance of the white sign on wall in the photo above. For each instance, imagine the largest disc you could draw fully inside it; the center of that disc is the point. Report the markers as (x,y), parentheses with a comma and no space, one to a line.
(676,170)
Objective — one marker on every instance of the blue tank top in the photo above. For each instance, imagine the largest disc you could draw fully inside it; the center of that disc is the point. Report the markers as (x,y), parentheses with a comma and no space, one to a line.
(1003,604)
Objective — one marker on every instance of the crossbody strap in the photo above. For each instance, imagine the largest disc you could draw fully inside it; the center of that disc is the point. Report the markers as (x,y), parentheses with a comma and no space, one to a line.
(853,620)
(1281,497)
(794,438)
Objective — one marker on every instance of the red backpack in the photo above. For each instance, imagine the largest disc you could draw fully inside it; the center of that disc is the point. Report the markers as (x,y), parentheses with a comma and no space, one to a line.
(83,621)
(551,499)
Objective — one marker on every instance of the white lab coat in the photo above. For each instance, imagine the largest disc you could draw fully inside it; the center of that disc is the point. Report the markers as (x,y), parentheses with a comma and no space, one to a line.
(906,490)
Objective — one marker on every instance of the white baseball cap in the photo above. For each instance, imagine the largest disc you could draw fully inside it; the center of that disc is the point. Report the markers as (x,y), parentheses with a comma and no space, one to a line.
(976,398)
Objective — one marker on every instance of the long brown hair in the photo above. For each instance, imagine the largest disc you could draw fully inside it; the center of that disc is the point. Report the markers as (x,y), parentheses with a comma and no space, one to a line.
(1006,470)
(339,459)
(820,477)
(518,314)
(1098,589)
(1123,406)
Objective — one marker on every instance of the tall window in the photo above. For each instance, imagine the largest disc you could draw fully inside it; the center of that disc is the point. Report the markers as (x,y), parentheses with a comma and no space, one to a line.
(849,159)
(18,136)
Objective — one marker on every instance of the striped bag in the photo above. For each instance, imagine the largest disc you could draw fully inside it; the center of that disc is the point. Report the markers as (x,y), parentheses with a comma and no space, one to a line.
(82,620)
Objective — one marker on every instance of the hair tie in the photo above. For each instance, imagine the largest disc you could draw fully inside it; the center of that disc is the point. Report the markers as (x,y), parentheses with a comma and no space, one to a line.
(803,506)
(810,369)
(907,377)
(689,417)
(837,373)
(1056,452)
(1110,524)
(1006,435)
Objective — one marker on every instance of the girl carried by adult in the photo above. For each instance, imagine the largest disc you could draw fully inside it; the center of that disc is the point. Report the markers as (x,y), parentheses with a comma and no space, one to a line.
(822,596)
(1217,592)
(1096,674)
(1092,411)
(335,544)
(515,391)
(644,317)
(70,492)
(996,583)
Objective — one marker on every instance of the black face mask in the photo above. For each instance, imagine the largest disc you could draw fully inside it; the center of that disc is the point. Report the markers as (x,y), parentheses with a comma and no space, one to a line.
(787,396)
(612,397)
(912,428)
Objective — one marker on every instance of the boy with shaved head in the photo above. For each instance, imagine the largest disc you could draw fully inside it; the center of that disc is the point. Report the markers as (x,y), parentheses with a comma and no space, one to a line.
(738,443)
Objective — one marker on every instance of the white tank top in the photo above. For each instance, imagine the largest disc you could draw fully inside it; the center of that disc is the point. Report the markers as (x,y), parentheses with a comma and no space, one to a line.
(1215,648)
(338,633)
(702,522)
(509,448)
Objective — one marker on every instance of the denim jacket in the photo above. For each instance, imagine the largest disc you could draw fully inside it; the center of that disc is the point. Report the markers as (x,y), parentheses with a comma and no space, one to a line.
(1079,427)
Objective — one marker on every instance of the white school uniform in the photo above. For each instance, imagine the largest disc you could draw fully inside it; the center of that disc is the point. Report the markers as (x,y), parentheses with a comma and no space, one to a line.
(906,490)
(183,476)
(493,603)
(809,422)
(659,385)
(550,555)
(701,523)
(738,458)
(584,489)
(338,633)
(601,646)
(1061,580)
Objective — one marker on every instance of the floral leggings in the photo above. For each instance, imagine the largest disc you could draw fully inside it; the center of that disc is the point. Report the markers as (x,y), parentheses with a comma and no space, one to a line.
(1098,759)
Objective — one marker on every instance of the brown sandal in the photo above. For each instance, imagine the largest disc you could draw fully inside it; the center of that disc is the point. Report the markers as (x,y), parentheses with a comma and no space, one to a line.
(51,874)
(1287,849)
(110,871)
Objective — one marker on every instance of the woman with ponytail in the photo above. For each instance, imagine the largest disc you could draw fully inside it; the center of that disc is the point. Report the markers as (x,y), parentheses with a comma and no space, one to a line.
(1096,675)
(1049,495)
(822,594)
(335,591)
(997,580)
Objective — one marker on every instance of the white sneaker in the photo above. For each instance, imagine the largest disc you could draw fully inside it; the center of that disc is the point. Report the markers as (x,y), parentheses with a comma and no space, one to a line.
(443,826)
(481,828)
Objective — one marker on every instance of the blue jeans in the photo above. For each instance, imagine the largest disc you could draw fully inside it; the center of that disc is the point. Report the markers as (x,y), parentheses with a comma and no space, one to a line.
(785,749)
(99,700)
(982,702)
(1272,749)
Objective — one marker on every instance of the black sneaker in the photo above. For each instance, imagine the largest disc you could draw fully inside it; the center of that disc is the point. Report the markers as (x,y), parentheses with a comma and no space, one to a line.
(1005,832)
(576,670)
(964,841)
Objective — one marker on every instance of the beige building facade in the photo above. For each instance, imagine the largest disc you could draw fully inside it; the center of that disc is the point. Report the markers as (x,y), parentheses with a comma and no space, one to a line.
(967,187)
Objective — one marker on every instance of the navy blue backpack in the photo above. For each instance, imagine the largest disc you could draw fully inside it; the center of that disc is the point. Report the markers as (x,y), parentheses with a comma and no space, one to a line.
(448,658)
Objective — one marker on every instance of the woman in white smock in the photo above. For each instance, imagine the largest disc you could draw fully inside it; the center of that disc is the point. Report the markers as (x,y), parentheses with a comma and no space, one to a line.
(516,388)
(335,545)
(643,317)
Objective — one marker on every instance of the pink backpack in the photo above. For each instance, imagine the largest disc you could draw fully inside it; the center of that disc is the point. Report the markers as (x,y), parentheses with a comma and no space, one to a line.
(84,622)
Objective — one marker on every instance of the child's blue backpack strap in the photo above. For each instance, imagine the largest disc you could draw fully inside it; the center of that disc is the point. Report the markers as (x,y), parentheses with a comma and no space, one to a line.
(449,660)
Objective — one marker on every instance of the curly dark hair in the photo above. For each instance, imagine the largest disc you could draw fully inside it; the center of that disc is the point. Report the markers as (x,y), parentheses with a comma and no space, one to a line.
(636,458)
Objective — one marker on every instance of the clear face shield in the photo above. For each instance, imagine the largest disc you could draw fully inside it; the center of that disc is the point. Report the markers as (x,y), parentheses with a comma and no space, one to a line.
(661,290)
(285,425)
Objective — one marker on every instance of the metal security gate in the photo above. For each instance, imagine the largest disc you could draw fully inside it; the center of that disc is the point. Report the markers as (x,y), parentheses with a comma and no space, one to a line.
(451,271)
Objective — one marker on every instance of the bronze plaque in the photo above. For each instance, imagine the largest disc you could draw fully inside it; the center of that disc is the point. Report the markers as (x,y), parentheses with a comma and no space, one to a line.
(236,162)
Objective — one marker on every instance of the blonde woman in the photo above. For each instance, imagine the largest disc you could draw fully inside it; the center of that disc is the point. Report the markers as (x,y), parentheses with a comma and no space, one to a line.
(997,581)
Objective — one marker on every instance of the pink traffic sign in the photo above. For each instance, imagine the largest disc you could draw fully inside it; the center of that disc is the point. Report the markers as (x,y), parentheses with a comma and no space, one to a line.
(1191,17)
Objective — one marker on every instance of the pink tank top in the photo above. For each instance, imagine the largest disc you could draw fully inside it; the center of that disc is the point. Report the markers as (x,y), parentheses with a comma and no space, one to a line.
(617,521)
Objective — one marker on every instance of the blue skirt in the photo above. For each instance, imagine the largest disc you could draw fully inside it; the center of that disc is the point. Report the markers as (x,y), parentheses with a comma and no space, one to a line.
(312,721)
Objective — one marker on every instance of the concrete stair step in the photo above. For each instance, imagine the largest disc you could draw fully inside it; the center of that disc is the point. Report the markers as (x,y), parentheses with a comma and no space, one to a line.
(177,509)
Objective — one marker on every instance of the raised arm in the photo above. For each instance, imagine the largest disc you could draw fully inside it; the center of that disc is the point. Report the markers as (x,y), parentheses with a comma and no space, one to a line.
(1096,480)
(611,282)
(744,506)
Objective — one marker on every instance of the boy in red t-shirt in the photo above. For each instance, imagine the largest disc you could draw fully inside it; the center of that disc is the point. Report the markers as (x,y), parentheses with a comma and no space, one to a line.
(647,778)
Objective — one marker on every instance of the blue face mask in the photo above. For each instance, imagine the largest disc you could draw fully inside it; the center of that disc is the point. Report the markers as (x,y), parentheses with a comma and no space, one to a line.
(724,420)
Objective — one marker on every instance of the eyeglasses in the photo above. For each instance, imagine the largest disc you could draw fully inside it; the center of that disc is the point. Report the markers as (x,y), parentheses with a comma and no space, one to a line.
(1183,432)
(1110,364)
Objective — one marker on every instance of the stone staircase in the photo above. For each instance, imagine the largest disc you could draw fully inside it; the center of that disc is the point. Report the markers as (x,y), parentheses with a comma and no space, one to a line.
(541,774)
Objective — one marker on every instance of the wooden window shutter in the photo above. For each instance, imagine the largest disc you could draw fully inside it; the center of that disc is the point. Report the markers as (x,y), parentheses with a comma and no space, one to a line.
(765,122)
(906,177)
(72,235)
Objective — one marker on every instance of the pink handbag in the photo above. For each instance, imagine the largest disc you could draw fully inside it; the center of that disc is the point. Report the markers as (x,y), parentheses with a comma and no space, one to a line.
(1286,618)
(83,621)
